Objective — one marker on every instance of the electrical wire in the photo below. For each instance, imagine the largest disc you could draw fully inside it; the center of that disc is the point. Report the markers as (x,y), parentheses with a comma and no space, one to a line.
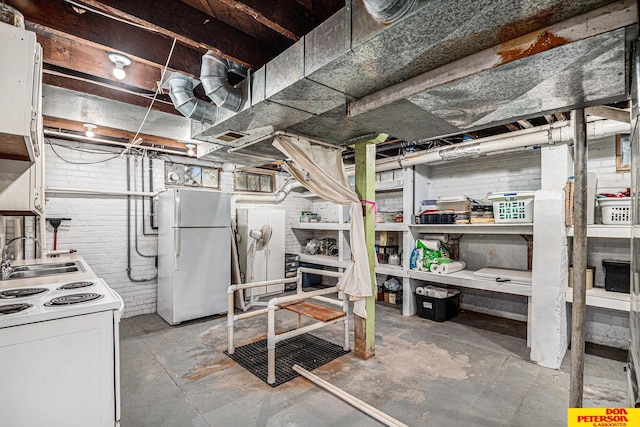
(78,163)
(115,18)
(135,138)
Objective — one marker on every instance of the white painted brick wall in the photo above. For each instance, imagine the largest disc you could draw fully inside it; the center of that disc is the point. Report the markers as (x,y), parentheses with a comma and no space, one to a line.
(520,171)
(98,226)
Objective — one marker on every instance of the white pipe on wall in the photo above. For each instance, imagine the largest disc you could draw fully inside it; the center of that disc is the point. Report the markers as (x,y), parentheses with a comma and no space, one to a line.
(560,132)
(70,190)
(276,197)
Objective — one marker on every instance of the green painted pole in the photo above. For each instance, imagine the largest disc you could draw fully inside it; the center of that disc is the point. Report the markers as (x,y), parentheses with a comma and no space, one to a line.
(365,329)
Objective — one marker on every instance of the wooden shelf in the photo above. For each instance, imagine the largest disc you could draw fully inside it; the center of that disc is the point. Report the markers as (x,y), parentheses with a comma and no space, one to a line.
(598,297)
(392,270)
(330,261)
(605,231)
(383,226)
(466,279)
(525,228)
(319,225)
(391,226)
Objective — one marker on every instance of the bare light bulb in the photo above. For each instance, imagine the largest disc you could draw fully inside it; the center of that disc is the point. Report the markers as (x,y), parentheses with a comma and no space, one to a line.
(191,149)
(90,127)
(120,61)
(118,71)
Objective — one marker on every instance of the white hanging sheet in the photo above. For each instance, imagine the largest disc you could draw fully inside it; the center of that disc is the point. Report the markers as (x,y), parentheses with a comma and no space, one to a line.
(320,170)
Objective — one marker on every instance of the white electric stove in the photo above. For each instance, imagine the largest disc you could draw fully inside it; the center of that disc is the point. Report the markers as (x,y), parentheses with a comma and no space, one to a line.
(59,346)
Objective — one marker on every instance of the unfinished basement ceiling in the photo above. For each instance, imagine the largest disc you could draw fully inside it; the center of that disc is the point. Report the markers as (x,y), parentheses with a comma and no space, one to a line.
(307,90)
(326,69)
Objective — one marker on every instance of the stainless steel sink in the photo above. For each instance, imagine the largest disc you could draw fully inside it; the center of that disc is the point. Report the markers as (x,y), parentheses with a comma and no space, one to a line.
(40,270)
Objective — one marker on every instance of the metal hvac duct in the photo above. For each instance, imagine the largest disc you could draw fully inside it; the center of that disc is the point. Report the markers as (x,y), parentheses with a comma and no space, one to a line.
(181,93)
(275,198)
(213,74)
(388,11)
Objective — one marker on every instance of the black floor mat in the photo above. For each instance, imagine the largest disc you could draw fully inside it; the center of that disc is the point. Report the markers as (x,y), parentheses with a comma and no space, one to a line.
(305,350)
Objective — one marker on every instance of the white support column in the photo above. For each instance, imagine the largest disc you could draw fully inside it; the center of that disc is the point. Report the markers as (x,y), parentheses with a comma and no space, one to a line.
(408,299)
(557,166)
(549,280)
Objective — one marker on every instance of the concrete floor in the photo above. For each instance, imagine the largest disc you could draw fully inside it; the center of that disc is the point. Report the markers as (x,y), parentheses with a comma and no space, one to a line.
(456,373)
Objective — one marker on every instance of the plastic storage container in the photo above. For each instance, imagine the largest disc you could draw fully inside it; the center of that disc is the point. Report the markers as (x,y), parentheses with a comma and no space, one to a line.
(309,279)
(615,211)
(439,309)
(457,203)
(513,207)
(617,276)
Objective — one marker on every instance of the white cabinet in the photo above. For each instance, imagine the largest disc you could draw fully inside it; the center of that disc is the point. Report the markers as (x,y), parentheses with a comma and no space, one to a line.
(267,263)
(20,98)
(21,157)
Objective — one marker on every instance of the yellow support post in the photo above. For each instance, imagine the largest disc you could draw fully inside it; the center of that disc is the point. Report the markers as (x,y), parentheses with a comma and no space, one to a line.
(365,329)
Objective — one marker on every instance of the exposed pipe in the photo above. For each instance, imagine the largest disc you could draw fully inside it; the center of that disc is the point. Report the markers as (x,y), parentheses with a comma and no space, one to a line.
(558,132)
(214,77)
(181,93)
(102,141)
(275,198)
(579,307)
(71,190)
(131,278)
(144,231)
(388,11)
(135,213)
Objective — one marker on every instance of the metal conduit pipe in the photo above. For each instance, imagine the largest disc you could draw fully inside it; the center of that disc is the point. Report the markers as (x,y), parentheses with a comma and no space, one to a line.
(388,11)
(181,93)
(275,198)
(213,75)
(558,133)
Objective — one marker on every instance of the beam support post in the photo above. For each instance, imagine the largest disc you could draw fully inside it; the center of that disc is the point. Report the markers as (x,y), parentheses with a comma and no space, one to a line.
(579,307)
(365,329)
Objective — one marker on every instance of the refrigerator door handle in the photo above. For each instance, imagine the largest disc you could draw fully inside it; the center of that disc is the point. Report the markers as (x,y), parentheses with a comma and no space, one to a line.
(176,243)
(177,212)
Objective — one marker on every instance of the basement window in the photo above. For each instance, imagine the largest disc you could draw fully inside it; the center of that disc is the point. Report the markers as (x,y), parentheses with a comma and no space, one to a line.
(191,175)
(255,182)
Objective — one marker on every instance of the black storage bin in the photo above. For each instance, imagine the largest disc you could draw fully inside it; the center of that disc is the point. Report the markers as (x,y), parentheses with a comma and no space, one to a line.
(309,279)
(438,309)
(616,276)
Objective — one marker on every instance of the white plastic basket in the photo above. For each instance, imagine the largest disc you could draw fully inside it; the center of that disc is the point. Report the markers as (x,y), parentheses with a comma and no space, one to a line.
(513,207)
(615,211)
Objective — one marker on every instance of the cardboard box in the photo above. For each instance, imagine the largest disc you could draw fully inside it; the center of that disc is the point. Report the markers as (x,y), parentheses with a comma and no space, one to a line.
(568,202)
(389,238)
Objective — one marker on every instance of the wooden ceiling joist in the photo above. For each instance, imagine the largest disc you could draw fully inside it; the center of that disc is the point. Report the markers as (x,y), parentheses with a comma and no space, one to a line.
(288,18)
(190,27)
(104,91)
(525,124)
(70,125)
(57,18)
(92,59)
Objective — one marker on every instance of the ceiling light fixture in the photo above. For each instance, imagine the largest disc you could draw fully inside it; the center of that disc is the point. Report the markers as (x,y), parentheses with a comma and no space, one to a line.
(90,127)
(121,61)
(191,149)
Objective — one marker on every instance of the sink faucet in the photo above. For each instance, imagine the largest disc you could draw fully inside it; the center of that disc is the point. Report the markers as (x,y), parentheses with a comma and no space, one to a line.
(5,265)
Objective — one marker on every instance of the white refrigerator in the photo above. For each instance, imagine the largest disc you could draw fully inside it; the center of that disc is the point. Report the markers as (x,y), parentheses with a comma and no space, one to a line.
(194,253)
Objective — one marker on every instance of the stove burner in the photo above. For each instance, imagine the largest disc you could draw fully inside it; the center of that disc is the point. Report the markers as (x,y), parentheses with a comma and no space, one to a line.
(72,299)
(75,285)
(21,292)
(13,308)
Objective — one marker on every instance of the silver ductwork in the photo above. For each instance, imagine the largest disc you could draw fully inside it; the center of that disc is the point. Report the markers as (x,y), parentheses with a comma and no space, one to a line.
(388,11)
(181,93)
(313,87)
(277,197)
(213,75)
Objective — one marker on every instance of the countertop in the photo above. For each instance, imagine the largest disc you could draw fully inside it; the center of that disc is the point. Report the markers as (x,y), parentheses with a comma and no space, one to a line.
(87,274)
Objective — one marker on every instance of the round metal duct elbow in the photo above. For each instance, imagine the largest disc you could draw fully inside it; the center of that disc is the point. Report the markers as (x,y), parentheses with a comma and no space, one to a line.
(181,93)
(213,75)
(388,11)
